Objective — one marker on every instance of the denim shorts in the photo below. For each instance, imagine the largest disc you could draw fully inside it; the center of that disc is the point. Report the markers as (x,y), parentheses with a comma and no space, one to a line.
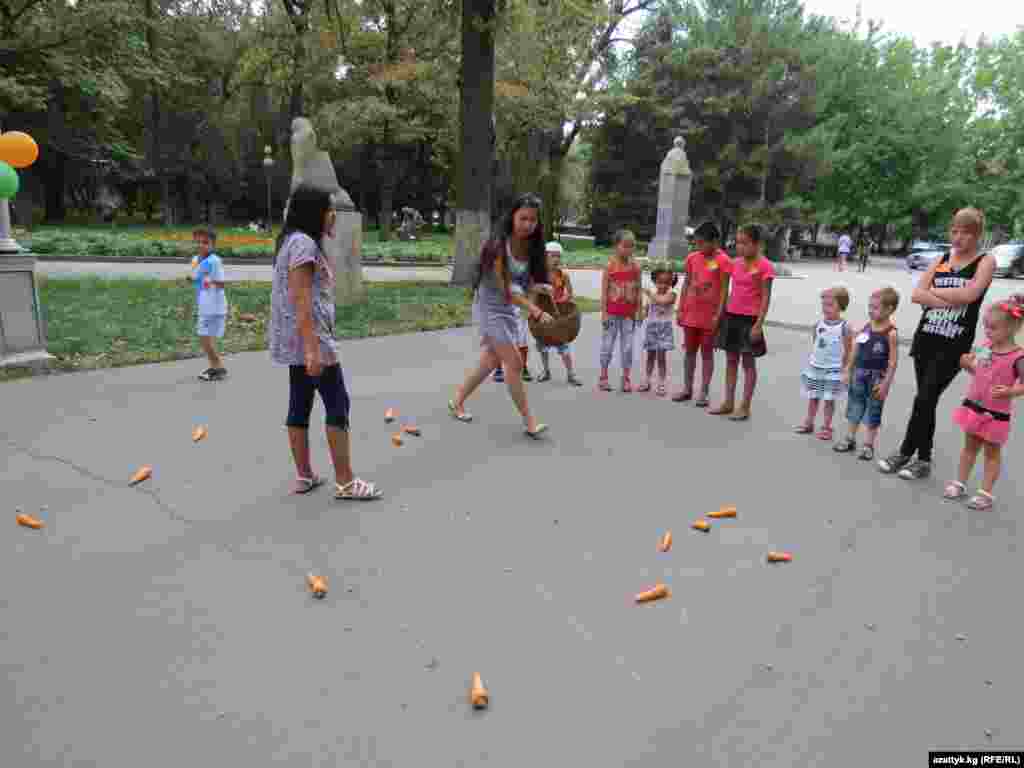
(862,407)
(562,348)
(210,325)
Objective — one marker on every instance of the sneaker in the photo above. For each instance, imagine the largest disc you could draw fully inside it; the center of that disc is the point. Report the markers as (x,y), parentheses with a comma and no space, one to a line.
(527,376)
(575,381)
(846,445)
(544,376)
(893,464)
(499,375)
(867,453)
(916,470)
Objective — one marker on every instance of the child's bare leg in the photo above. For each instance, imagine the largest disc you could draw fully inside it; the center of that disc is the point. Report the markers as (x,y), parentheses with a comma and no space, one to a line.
(749,382)
(732,366)
(968,456)
(707,366)
(662,365)
(993,455)
(651,357)
(338,442)
(567,361)
(869,433)
(298,440)
(829,411)
(689,371)
(206,342)
(812,412)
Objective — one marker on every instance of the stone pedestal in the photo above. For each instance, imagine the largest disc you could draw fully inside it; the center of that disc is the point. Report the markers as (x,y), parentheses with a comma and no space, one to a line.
(22,325)
(670,241)
(345,252)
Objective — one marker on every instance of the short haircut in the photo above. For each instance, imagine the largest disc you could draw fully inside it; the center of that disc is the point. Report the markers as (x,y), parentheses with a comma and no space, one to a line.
(840,294)
(665,271)
(208,231)
(753,231)
(889,297)
(707,231)
(624,234)
(970,218)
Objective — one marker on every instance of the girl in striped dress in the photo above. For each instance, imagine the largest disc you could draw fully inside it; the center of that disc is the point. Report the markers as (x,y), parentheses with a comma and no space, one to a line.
(826,373)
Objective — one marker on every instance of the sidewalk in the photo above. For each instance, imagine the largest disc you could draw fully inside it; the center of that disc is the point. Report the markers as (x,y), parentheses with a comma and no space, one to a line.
(168,624)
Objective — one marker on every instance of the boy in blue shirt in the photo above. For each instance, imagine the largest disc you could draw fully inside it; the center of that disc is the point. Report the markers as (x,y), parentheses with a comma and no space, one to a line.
(211,304)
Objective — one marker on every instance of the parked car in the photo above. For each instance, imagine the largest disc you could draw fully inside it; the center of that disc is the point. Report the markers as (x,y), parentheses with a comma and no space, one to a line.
(923,259)
(1009,259)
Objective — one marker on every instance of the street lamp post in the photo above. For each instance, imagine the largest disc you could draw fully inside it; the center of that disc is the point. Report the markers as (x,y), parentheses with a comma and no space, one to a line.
(268,164)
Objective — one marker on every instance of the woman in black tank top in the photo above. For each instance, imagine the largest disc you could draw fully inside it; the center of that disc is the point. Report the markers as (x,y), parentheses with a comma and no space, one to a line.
(951,293)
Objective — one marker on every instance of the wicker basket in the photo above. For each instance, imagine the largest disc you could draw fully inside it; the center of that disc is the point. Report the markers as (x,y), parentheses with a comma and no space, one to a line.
(563,329)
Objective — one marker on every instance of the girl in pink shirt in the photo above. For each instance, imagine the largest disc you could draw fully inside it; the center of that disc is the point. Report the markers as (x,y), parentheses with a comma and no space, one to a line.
(741,331)
(997,370)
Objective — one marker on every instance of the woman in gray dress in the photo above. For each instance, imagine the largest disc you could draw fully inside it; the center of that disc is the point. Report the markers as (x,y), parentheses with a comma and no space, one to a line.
(513,270)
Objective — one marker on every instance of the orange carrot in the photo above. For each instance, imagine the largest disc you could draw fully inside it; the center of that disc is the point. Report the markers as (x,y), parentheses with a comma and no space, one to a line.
(396,439)
(701,525)
(317,585)
(666,542)
(723,512)
(657,592)
(29,522)
(478,695)
(198,434)
(779,557)
(144,473)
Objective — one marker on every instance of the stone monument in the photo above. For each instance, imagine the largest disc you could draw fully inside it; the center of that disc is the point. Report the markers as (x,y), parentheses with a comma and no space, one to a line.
(311,165)
(22,321)
(670,241)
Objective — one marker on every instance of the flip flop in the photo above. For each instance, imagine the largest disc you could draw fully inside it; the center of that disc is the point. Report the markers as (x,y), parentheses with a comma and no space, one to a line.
(308,484)
(541,429)
(463,417)
(739,416)
(701,402)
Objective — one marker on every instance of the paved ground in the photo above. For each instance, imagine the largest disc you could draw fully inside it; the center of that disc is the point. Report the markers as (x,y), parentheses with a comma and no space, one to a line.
(796,302)
(168,625)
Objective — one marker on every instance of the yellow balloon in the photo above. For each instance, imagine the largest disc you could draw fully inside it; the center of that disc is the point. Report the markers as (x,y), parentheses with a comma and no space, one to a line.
(18,149)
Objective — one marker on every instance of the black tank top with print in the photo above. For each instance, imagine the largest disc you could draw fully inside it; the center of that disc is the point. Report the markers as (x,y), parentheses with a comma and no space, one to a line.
(949,331)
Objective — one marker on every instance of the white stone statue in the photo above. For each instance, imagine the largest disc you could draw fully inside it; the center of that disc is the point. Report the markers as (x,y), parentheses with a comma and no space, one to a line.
(311,165)
(676,162)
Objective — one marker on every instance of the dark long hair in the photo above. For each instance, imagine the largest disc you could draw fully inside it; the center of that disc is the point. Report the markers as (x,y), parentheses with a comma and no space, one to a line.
(306,211)
(494,248)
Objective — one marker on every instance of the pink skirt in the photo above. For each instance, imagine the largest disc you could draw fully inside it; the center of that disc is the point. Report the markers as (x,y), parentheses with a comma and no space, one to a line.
(981,425)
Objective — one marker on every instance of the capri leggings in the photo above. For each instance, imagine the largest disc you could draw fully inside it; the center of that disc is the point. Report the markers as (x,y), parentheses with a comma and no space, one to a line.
(302,387)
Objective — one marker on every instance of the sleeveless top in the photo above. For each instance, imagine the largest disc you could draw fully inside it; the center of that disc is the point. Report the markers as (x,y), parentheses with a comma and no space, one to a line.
(949,331)
(992,369)
(623,291)
(659,313)
(872,349)
(828,345)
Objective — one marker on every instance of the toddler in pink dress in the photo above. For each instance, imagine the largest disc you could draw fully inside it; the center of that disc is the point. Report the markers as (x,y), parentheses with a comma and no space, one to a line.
(997,370)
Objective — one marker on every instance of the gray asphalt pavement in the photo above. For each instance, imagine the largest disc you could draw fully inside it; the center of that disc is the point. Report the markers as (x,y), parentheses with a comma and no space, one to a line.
(796,302)
(168,624)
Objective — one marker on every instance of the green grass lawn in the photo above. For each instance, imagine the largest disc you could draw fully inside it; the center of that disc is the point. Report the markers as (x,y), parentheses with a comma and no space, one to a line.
(94,322)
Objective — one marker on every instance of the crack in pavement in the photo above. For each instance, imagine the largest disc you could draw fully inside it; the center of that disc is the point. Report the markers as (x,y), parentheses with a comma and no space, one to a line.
(84,472)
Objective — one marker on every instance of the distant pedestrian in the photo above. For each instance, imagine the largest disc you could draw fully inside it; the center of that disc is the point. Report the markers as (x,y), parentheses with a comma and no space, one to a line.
(863,251)
(845,247)
(562,293)
(872,371)
(211,303)
(513,269)
(996,367)
(301,336)
(741,332)
(658,338)
(701,308)
(827,371)
(951,292)
(620,306)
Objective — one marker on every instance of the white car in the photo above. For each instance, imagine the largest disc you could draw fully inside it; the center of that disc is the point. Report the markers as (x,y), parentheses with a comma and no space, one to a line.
(1009,259)
(921,260)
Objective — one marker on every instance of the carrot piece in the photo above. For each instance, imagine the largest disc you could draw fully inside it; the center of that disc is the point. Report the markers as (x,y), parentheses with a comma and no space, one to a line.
(396,439)
(779,557)
(723,512)
(198,434)
(657,592)
(478,695)
(30,522)
(701,525)
(317,585)
(666,542)
(143,473)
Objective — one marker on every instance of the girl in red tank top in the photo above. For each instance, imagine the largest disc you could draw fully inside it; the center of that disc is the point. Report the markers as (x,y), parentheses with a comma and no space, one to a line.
(620,305)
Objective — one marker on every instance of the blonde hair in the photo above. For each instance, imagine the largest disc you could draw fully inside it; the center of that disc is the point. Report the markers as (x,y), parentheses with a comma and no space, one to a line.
(840,294)
(1011,310)
(969,218)
(623,234)
(888,296)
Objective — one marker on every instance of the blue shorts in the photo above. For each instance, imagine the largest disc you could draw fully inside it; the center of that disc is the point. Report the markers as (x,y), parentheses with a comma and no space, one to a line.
(862,407)
(562,348)
(210,325)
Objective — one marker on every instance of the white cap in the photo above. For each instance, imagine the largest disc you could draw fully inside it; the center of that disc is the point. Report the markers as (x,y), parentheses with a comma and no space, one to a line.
(553,247)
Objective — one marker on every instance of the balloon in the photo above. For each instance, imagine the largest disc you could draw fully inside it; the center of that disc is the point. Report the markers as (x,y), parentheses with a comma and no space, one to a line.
(8,181)
(18,149)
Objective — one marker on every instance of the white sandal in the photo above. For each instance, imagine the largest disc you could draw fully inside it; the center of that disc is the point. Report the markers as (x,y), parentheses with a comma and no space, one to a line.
(982,501)
(356,490)
(955,490)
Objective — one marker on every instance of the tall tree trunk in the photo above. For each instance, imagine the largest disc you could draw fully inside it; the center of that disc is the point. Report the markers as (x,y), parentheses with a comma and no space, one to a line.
(476,141)
(56,167)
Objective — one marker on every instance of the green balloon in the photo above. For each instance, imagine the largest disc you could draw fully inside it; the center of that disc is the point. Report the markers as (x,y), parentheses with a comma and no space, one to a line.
(8,181)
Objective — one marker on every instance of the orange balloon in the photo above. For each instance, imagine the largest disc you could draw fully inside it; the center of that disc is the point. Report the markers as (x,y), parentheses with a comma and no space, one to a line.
(18,149)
